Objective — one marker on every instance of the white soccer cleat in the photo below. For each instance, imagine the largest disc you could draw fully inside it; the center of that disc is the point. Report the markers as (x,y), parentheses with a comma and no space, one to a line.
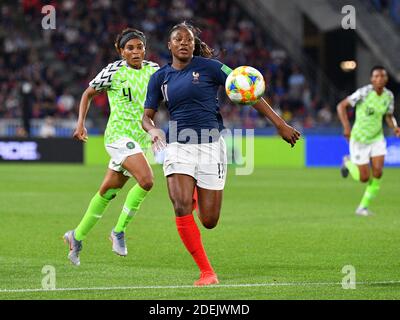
(363,212)
(118,243)
(75,247)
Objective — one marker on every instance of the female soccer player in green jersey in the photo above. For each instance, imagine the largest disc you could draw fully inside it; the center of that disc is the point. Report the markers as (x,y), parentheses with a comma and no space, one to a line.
(125,82)
(367,142)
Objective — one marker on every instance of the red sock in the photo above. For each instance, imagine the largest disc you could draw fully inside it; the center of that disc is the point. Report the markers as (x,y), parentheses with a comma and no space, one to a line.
(195,205)
(191,238)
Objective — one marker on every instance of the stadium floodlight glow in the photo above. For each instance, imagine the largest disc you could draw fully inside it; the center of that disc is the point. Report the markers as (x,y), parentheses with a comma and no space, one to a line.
(348,66)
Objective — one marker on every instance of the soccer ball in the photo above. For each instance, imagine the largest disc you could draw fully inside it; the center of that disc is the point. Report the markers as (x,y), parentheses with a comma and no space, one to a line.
(245,85)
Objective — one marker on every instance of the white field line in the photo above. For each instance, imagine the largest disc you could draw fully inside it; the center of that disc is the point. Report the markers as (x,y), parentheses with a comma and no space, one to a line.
(249,285)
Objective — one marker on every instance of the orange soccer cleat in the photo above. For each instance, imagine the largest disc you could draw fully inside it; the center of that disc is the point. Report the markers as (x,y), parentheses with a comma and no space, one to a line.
(206,279)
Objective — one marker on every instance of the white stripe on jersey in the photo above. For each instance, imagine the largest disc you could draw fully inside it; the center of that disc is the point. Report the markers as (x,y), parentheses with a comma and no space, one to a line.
(103,80)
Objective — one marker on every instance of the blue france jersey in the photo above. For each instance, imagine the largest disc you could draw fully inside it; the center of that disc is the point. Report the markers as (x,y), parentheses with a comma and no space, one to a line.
(190,95)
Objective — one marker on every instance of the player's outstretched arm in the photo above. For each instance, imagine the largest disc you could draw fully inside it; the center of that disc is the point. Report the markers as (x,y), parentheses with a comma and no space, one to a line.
(344,119)
(288,133)
(80,132)
(392,123)
(157,135)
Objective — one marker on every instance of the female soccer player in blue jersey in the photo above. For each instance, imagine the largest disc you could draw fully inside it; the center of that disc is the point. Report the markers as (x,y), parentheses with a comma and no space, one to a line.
(125,82)
(189,87)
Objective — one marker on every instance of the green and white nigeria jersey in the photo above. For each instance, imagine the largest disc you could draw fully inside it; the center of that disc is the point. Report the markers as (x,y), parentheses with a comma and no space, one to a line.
(370,109)
(126,90)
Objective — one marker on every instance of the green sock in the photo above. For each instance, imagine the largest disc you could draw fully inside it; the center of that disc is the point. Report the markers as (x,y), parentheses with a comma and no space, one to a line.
(93,213)
(371,192)
(132,203)
(353,169)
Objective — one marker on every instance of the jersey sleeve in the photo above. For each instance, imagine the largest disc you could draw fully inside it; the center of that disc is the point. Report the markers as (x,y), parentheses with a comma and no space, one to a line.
(103,80)
(154,95)
(359,95)
(391,103)
(221,71)
(354,98)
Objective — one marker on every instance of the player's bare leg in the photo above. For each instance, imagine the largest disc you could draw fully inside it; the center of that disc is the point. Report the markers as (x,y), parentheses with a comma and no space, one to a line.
(359,173)
(112,183)
(180,188)
(377,166)
(374,184)
(210,202)
(364,172)
(140,169)
(112,180)
(195,206)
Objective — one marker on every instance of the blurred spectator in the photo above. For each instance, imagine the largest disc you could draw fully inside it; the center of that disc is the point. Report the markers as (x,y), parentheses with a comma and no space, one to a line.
(48,129)
(45,96)
(324,115)
(287,115)
(65,104)
(296,84)
(20,132)
(309,122)
(307,99)
(27,102)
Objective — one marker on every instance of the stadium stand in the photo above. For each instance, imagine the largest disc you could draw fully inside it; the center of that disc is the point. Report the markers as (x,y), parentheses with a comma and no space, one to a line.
(44,72)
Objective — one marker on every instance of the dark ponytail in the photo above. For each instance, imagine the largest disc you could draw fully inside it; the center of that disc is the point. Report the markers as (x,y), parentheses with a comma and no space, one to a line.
(200,47)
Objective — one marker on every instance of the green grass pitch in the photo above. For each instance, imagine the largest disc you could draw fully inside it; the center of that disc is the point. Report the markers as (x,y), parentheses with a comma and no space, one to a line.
(283,234)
